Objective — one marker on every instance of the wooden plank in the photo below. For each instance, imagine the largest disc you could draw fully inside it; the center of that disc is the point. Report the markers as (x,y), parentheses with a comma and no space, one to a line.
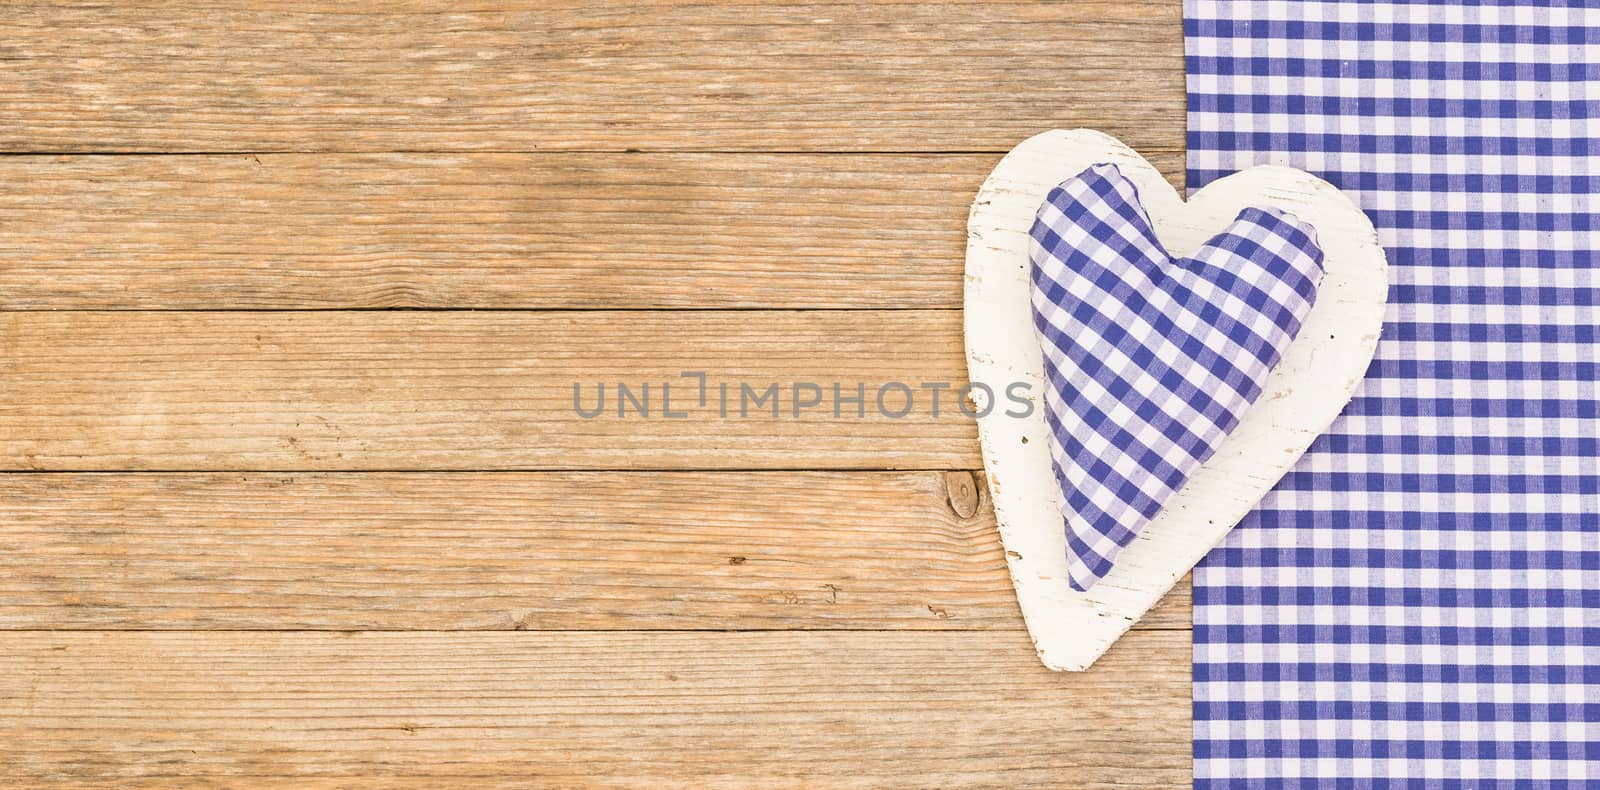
(84,391)
(574,550)
(488,230)
(832,709)
(513,76)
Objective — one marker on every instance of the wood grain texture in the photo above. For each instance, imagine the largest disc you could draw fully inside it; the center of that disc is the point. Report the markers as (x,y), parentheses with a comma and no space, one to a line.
(821,709)
(473,390)
(513,76)
(571,550)
(654,162)
(488,230)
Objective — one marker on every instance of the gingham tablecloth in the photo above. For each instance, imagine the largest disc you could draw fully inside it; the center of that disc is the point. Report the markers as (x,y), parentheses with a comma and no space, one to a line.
(1417,604)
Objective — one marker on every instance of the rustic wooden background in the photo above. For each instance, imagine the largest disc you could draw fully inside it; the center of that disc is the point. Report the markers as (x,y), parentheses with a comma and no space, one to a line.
(292,296)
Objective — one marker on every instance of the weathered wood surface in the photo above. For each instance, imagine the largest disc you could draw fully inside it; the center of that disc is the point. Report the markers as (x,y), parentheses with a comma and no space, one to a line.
(474,390)
(488,230)
(641,160)
(515,76)
(773,709)
(545,551)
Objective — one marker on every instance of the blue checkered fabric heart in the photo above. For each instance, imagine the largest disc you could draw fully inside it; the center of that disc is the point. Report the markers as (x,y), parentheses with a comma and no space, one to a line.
(1149,360)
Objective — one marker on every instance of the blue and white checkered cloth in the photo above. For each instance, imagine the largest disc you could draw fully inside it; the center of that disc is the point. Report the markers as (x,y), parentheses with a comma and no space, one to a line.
(1149,361)
(1417,604)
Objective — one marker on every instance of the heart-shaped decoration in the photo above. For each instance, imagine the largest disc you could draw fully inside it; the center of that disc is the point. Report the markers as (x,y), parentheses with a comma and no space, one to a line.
(1321,338)
(1149,361)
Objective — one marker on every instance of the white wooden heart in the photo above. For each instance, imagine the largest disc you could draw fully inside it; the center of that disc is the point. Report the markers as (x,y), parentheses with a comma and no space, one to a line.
(1311,384)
